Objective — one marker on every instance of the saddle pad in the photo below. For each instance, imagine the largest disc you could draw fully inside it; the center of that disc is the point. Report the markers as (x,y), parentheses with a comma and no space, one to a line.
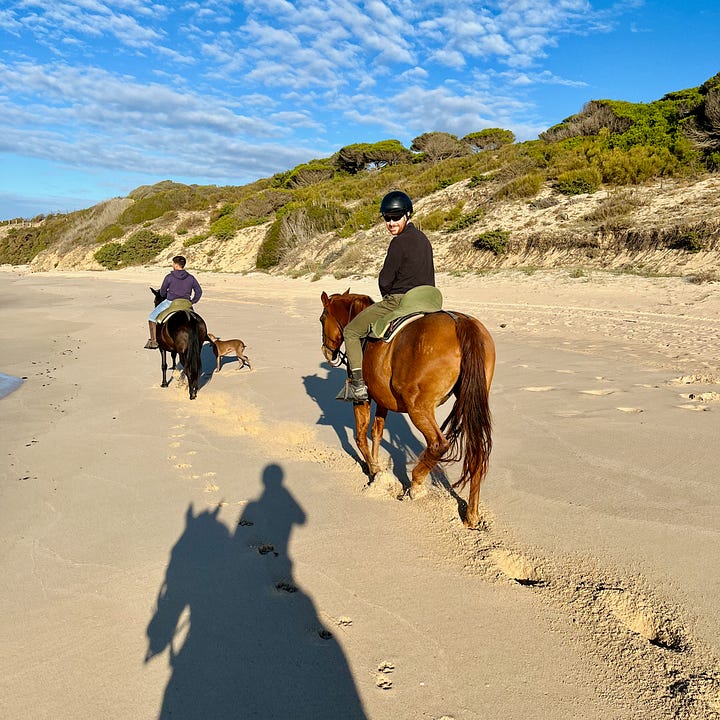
(420,300)
(175,306)
(396,325)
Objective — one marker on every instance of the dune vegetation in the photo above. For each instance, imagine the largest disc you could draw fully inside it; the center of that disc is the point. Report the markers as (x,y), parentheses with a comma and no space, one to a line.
(618,185)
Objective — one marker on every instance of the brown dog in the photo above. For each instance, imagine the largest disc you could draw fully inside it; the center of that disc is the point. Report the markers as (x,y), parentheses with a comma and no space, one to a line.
(229,347)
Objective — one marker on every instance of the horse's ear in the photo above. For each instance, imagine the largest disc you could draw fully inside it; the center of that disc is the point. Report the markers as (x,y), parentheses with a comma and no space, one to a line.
(324,297)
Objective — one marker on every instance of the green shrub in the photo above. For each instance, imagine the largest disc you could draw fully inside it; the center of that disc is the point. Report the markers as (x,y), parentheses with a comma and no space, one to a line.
(224,227)
(140,248)
(21,245)
(524,186)
(637,165)
(110,233)
(110,255)
(269,252)
(577,182)
(465,221)
(195,239)
(361,218)
(495,241)
(476,180)
(689,240)
(438,218)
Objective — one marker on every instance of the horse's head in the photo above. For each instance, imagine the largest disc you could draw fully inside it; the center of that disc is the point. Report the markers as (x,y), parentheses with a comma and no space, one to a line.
(338,310)
(158,297)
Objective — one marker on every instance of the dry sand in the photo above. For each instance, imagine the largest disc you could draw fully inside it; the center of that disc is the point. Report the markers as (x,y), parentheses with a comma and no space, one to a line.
(225,558)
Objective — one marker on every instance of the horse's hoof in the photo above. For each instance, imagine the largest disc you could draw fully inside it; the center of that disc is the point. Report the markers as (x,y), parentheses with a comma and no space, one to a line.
(471,522)
(417,491)
(163,384)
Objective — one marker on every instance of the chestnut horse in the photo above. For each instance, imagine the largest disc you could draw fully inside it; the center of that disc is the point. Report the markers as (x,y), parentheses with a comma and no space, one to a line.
(184,334)
(439,354)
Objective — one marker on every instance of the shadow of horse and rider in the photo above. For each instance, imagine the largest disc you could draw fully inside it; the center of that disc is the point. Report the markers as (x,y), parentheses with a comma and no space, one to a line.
(243,640)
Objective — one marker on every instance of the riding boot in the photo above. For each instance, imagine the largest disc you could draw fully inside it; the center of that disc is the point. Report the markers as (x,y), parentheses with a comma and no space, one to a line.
(151,344)
(354,389)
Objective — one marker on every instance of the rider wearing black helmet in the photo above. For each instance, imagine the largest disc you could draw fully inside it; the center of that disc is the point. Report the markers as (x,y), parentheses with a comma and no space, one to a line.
(408,264)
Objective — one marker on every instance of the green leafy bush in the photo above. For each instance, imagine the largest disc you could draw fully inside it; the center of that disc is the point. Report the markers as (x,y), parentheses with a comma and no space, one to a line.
(110,233)
(465,221)
(224,227)
(495,241)
(689,240)
(140,248)
(438,218)
(110,255)
(21,245)
(637,165)
(577,182)
(476,180)
(195,239)
(524,186)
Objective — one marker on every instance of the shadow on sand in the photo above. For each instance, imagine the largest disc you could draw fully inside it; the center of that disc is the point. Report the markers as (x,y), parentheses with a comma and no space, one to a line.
(243,640)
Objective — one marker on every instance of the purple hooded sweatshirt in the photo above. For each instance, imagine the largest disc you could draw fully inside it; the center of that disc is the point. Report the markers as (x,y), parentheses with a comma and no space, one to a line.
(181,284)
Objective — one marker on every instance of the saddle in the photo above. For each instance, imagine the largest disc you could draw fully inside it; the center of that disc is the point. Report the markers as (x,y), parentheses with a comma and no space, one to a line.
(415,303)
(179,305)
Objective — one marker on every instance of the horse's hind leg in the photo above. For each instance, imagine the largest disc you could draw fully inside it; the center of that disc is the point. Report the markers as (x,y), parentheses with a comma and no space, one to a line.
(436,447)
(472,516)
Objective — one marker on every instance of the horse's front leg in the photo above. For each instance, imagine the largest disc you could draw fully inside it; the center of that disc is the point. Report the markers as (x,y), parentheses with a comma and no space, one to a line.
(163,360)
(376,433)
(362,423)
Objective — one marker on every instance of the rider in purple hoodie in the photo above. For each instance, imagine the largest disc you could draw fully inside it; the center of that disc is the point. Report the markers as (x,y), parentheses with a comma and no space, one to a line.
(177,284)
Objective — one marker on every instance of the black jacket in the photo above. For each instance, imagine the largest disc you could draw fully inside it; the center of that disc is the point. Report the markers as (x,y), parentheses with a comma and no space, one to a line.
(408,263)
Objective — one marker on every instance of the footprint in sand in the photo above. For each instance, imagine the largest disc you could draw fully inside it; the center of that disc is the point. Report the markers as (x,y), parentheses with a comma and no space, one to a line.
(641,618)
(384,669)
(697,408)
(703,397)
(516,567)
(630,409)
(597,392)
(569,413)
(541,388)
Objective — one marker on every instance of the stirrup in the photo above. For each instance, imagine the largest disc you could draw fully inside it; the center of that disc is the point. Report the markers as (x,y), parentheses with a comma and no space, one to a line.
(352,392)
(151,344)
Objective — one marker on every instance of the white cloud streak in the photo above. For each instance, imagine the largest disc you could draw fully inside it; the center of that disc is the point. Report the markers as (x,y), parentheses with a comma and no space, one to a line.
(250,88)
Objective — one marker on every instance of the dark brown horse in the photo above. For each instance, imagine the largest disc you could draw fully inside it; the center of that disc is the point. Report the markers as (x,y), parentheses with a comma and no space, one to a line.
(433,357)
(183,334)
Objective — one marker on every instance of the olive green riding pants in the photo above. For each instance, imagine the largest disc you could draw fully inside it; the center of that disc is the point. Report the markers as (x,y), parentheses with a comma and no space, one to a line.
(359,327)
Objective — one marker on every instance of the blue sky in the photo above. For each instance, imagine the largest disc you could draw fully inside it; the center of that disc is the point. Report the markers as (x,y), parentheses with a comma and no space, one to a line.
(98,97)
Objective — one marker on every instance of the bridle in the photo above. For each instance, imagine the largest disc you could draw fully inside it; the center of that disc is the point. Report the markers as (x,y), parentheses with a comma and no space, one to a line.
(337,356)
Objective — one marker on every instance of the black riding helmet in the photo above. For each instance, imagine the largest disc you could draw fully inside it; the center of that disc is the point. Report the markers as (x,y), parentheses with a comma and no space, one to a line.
(396,203)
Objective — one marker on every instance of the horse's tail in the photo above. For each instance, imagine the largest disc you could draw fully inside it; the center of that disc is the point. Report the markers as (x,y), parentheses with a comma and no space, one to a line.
(193,362)
(469,423)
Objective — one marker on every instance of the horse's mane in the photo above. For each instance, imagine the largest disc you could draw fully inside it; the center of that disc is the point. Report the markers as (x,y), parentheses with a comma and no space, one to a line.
(351,304)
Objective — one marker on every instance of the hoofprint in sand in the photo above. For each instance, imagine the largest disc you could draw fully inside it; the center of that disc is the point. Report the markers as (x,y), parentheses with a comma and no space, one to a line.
(589,589)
